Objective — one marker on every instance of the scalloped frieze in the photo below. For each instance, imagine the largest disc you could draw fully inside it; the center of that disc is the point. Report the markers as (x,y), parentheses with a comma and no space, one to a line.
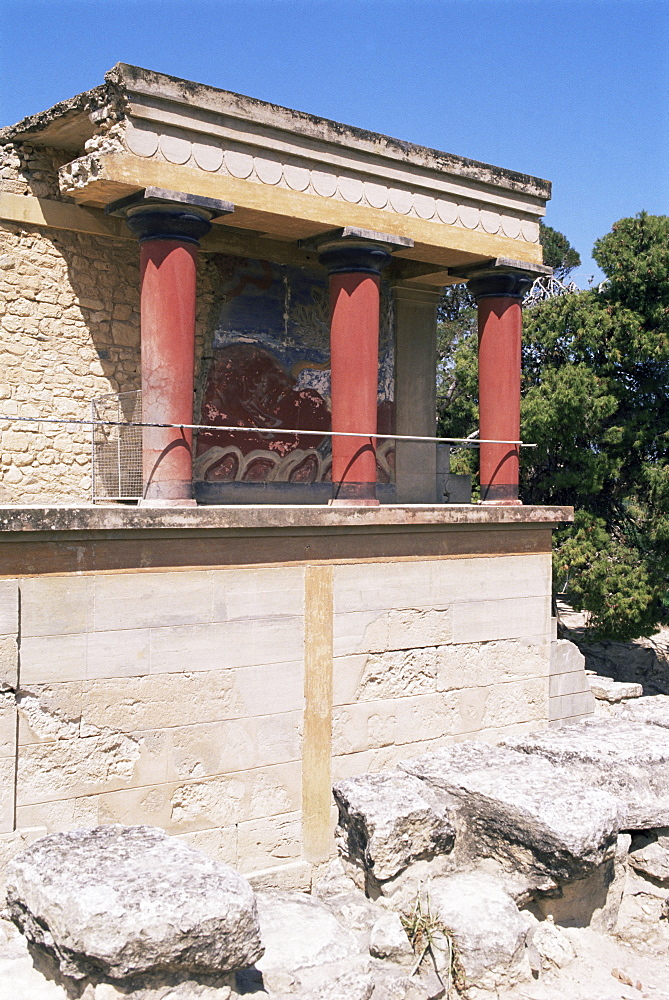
(269,169)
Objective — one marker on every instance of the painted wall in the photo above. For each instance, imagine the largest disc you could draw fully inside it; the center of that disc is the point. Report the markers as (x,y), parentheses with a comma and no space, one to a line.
(270,367)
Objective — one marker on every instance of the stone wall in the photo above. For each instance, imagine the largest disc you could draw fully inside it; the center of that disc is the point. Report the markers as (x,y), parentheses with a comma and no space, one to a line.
(221,703)
(69,331)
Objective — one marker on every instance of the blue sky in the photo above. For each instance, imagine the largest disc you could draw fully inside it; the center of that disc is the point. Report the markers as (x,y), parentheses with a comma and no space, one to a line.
(572,90)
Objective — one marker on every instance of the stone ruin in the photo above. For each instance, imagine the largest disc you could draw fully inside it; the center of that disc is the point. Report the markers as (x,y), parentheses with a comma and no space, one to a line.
(502,863)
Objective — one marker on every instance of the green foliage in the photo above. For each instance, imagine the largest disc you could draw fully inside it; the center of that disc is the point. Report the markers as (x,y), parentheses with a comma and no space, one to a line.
(596,402)
(558,251)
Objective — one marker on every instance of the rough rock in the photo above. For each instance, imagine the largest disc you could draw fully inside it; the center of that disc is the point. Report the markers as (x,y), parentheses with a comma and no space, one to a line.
(652,708)
(606,689)
(387,821)
(629,760)
(643,918)
(650,856)
(118,901)
(530,813)
(350,986)
(551,945)
(388,940)
(486,927)
(304,940)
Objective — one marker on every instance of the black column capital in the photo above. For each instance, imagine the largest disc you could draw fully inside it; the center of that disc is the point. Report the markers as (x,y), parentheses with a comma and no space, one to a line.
(158,214)
(500,278)
(351,250)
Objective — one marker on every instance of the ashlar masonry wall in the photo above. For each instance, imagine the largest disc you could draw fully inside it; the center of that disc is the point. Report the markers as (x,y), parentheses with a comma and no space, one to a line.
(221,701)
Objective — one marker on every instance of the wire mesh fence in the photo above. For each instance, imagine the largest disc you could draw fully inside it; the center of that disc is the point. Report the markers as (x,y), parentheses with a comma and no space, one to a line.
(117,446)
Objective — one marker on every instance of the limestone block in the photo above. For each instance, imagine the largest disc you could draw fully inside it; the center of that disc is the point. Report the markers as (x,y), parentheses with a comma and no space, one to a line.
(398,629)
(9,607)
(652,860)
(156,701)
(606,689)
(270,688)
(7,776)
(7,724)
(566,706)
(362,726)
(538,819)
(566,657)
(258,592)
(224,800)
(479,664)
(121,901)
(9,663)
(629,760)
(347,672)
(487,929)
(505,618)
(387,821)
(60,814)
(398,674)
(573,682)
(125,653)
(441,582)
(142,600)
(294,876)
(71,768)
(219,844)
(268,842)
(53,658)
(642,918)
(227,644)
(234,745)
(56,605)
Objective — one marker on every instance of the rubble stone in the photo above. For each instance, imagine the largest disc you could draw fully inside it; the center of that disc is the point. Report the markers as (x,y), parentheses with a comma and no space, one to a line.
(486,927)
(386,821)
(389,940)
(118,901)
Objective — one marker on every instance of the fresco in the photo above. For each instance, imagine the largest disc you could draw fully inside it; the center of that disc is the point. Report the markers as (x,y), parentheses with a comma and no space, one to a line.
(271,369)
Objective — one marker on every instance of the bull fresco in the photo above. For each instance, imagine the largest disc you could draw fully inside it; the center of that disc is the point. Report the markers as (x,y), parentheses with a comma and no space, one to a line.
(271,369)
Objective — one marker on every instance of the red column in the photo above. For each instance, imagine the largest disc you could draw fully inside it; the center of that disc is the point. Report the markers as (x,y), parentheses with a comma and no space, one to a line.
(499,297)
(169,226)
(354,348)
(354,265)
(500,322)
(168,292)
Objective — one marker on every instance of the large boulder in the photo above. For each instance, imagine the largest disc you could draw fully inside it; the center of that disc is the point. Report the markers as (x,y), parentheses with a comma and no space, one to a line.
(121,901)
(629,760)
(651,708)
(387,821)
(523,810)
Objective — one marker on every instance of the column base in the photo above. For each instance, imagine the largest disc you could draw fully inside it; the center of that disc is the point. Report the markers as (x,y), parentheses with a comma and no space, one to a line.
(351,502)
(155,502)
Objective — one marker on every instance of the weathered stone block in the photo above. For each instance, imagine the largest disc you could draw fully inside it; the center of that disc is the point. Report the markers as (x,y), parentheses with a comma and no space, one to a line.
(268,842)
(142,600)
(258,592)
(121,901)
(653,709)
(628,760)
(387,821)
(9,663)
(540,819)
(57,605)
(465,665)
(398,674)
(125,653)
(53,658)
(505,618)
(7,776)
(227,645)
(9,607)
